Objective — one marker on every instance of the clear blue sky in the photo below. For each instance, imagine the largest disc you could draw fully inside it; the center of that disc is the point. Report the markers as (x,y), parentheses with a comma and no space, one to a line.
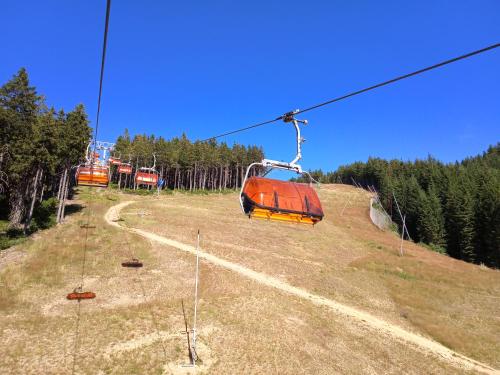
(204,67)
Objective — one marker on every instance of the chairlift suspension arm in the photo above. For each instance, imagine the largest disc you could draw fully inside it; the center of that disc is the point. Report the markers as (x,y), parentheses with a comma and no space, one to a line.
(292,166)
(299,140)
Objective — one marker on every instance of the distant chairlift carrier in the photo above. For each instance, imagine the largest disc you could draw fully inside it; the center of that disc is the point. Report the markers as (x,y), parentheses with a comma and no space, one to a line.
(265,198)
(125,168)
(92,172)
(147,176)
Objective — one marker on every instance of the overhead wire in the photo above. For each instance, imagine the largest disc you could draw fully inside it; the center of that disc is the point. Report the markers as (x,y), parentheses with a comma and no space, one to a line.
(354,93)
(103,61)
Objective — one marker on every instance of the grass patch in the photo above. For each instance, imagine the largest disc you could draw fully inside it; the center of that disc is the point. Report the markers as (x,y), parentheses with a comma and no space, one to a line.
(436,248)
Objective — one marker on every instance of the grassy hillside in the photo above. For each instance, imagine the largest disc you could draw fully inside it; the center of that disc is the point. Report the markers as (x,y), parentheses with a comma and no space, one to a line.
(135,324)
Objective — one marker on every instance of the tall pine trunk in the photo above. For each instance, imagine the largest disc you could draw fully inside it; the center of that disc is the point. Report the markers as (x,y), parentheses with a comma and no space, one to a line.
(27,222)
(60,194)
(17,207)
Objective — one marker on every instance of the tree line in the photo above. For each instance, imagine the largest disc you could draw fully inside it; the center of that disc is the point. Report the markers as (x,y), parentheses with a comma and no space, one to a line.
(38,147)
(187,165)
(454,207)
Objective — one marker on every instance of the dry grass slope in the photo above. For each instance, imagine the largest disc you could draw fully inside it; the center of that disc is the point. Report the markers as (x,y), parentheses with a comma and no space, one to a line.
(135,324)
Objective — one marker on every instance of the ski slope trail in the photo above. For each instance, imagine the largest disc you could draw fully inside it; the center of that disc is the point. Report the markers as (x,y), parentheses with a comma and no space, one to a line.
(420,343)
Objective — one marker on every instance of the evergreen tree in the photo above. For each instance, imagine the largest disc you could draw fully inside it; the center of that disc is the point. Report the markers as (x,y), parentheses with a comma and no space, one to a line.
(430,218)
(35,143)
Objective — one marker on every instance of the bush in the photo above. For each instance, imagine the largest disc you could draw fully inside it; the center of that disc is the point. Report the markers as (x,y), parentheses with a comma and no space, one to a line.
(44,215)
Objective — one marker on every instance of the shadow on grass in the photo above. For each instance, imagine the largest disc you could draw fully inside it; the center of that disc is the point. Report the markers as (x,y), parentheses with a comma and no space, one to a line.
(73,208)
(188,336)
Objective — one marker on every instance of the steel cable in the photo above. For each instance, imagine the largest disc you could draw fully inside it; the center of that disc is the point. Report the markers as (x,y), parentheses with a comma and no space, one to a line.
(354,93)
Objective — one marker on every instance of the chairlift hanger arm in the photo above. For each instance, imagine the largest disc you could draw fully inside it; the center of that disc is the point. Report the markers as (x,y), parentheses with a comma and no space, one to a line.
(293,166)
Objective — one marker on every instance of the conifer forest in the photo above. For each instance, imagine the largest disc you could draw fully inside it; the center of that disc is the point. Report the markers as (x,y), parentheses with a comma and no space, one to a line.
(454,208)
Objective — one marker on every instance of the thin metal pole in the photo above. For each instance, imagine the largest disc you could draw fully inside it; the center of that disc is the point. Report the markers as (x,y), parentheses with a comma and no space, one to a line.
(402,237)
(196,298)
(346,203)
(400,214)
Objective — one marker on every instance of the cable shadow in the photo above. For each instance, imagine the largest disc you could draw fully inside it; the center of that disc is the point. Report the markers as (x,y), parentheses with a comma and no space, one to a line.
(77,339)
(153,317)
(188,336)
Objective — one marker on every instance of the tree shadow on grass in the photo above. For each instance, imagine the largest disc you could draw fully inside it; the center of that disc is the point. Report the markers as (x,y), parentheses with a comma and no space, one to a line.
(44,217)
(73,208)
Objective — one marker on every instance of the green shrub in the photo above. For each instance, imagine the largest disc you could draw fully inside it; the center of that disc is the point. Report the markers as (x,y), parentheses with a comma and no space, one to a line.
(44,215)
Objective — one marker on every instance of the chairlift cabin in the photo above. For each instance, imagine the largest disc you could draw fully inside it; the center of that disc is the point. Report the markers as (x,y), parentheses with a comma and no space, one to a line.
(285,201)
(147,176)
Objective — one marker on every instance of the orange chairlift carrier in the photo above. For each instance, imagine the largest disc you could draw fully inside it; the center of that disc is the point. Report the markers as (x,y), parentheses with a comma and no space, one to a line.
(125,168)
(147,176)
(92,172)
(265,198)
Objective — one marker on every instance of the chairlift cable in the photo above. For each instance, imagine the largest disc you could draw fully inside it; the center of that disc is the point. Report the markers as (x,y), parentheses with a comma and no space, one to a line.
(103,60)
(354,93)
(242,129)
(77,333)
(417,72)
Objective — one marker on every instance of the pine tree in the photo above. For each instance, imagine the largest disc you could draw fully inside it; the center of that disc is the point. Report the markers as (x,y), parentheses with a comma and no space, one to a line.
(460,218)
(430,218)
(22,103)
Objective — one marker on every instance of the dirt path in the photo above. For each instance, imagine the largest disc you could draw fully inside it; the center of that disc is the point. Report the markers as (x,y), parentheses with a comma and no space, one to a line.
(423,344)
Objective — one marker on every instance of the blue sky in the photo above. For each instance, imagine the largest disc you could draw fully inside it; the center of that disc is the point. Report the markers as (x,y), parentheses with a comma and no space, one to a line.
(204,67)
